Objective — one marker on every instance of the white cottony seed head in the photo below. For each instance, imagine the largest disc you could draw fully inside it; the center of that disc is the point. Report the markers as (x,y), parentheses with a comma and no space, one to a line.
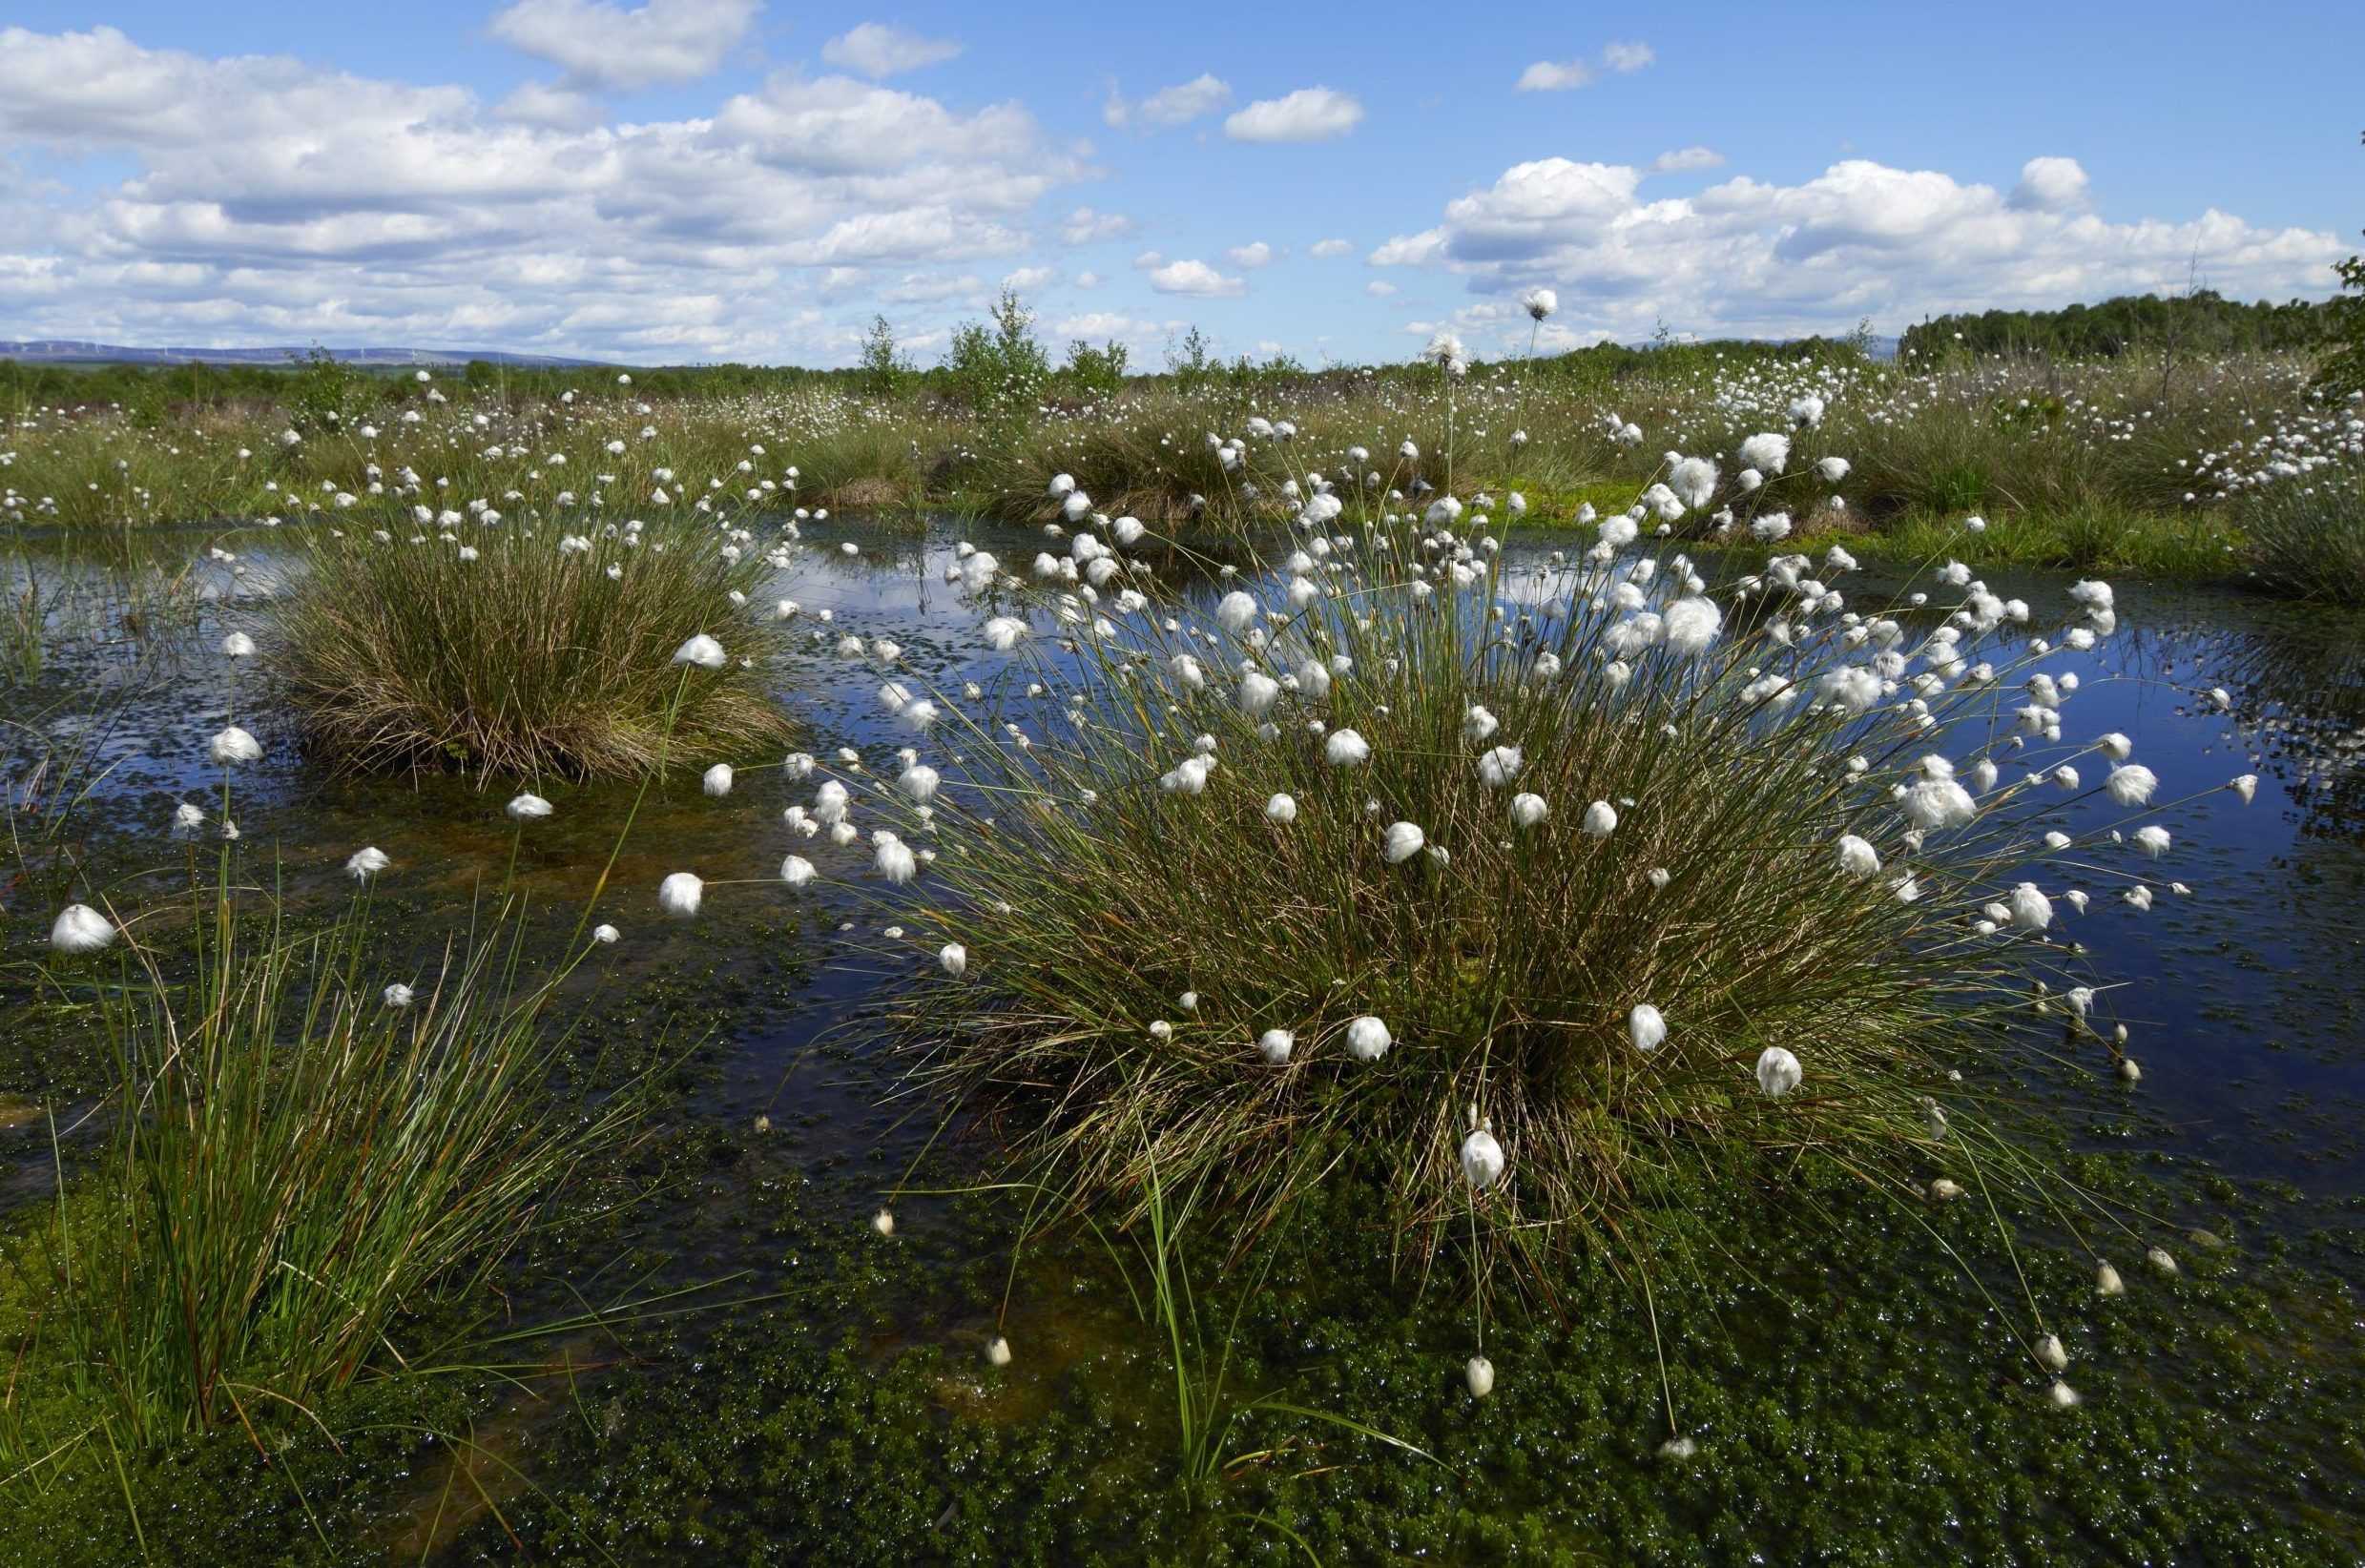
(1482,1160)
(81,929)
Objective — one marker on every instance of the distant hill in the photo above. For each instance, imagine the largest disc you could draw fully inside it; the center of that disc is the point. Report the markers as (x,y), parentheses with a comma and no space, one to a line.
(68,351)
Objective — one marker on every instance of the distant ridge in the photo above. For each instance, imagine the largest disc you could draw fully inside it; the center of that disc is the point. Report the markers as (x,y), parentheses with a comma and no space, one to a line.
(69,351)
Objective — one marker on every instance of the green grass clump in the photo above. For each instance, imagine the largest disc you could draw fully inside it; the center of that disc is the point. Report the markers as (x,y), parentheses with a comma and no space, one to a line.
(298,1158)
(522,653)
(2306,537)
(2088,536)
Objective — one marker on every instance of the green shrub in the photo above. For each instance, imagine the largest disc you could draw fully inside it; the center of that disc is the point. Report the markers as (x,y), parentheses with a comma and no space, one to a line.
(1095,373)
(998,367)
(2342,372)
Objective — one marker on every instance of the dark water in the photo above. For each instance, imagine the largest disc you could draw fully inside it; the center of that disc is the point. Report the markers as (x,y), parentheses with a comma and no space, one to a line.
(2245,998)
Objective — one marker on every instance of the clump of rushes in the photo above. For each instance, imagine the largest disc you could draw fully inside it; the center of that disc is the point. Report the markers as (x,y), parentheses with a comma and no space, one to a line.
(499,649)
(2307,536)
(303,1151)
(1537,897)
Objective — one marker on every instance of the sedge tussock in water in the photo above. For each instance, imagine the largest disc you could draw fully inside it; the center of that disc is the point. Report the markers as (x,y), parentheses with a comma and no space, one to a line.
(536,655)
(1536,898)
(2308,538)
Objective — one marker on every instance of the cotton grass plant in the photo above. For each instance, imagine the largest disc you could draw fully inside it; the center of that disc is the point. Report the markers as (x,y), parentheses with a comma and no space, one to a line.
(522,651)
(310,1138)
(301,1153)
(2308,538)
(1539,900)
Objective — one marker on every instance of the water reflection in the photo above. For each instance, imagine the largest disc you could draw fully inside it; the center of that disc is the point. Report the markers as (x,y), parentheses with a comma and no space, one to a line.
(2241,996)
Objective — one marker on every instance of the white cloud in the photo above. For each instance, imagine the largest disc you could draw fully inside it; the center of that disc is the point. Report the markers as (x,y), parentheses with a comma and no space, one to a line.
(540,103)
(1031,279)
(1196,278)
(1685,161)
(1257,254)
(1087,279)
(1169,106)
(876,49)
(1101,325)
(603,47)
(259,199)
(1562,76)
(1410,250)
(1087,227)
(1311,113)
(1553,76)
(2051,185)
(1151,259)
(1379,288)
(1326,249)
(1859,240)
(925,288)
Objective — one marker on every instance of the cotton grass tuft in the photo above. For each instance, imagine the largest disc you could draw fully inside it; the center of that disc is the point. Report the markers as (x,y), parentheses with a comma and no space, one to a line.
(1795,879)
(532,661)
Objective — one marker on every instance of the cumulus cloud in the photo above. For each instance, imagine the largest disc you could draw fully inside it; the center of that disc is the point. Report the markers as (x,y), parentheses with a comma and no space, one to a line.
(1257,254)
(1031,279)
(1859,240)
(1169,106)
(602,46)
(261,198)
(1685,161)
(1627,58)
(876,49)
(2051,185)
(1196,278)
(1311,113)
(1326,249)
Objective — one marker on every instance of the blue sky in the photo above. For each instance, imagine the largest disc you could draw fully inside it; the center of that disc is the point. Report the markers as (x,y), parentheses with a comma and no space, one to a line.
(694,179)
